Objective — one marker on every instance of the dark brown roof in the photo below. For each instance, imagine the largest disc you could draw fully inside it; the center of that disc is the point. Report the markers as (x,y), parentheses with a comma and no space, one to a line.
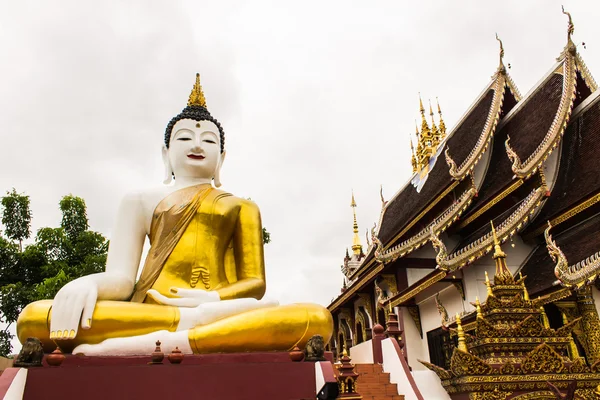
(579,169)
(526,128)
(577,244)
(408,203)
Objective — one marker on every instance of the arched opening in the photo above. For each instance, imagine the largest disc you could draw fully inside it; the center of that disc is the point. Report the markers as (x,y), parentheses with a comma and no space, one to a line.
(359,333)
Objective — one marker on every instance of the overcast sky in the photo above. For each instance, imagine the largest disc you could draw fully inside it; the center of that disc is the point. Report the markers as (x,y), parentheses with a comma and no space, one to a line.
(316,98)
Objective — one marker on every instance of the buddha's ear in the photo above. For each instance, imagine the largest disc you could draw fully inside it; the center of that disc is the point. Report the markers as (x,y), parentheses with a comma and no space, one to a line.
(217,176)
(168,170)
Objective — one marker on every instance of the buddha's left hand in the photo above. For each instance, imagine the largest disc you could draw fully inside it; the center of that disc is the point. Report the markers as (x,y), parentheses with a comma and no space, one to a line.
(187,297)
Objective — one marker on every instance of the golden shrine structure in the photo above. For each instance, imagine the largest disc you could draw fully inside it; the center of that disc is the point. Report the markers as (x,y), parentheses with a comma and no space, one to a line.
(529,165)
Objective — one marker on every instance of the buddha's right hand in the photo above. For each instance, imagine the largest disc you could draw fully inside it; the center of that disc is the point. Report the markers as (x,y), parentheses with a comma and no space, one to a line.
(74,302)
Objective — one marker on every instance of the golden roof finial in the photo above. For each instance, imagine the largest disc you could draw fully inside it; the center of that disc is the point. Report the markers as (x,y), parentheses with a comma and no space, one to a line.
(381,186)
(501,63)
(488,285)
(442,124)
(497,249)
(413,159)
(571,26)
(435,133)
(421,108)
(545,320)
(525,292)
(478,307)
(503,275)
(356,246)
(462,345)
(197,96)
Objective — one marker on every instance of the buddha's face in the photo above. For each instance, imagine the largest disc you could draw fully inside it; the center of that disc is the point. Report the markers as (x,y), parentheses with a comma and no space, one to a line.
(194,150)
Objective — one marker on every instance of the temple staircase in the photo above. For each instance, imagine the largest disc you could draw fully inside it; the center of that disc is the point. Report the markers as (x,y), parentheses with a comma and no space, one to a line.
(374,384)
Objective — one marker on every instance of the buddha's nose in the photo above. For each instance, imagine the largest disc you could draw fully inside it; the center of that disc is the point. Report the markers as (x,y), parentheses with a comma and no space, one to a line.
(197,145)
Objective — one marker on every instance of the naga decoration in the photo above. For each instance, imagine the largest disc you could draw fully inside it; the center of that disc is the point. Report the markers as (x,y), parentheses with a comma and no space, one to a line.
(440,248)
(574,276)
(499,85)
(570,66)
(440,224)
(480,247)
(442,310)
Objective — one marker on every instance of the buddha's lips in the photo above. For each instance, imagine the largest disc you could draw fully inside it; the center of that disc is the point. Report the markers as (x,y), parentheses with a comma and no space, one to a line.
(196,156)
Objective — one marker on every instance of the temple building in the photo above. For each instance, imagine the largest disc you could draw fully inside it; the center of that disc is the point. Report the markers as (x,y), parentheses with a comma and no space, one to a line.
(497,240)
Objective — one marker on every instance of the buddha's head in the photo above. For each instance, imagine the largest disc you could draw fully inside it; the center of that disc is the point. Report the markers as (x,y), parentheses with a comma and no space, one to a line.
(194,142)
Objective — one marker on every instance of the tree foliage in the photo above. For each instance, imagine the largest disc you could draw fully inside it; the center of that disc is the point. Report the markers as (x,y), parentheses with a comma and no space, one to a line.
(57,256)
(16,217)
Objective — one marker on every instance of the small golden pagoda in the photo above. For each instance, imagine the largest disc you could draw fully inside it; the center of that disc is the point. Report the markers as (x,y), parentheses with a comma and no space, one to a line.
(513,352)
(428,138)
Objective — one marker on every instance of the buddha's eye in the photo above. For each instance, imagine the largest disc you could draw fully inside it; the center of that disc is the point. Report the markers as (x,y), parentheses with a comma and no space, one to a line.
(209,141)
(184,138)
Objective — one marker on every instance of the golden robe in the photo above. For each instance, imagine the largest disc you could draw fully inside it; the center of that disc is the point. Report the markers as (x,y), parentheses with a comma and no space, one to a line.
(205,239)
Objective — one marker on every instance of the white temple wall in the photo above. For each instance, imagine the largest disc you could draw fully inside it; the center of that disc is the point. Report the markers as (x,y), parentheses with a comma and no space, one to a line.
(430,320)
(416,347)
(414,274)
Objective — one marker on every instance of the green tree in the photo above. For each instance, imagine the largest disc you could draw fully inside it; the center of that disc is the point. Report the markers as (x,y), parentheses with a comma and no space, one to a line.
(16,217)
(74,216)
(57,256)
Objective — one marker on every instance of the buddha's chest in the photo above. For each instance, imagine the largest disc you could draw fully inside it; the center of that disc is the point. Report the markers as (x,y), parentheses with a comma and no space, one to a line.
(197,260)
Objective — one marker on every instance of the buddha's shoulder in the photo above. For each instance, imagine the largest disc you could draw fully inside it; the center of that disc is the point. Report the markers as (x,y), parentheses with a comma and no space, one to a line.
(231,201)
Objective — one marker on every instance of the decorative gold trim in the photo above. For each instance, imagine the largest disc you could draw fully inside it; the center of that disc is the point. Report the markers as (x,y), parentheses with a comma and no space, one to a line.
(584,205)
(412,292)
(490,204)
(560,294)
(422,213)
(572,276)
(440,224)
(485,244)
(585,73)
(525,169)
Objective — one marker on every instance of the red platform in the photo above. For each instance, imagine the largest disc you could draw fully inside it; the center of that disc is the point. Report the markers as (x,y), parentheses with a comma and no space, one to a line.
(216,376)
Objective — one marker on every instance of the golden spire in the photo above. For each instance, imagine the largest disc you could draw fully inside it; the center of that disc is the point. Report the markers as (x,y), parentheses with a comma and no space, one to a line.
(413,159)
(503,275)
(356,246)
(434,130)
(424,126)
(425,144)
(197,95)
(442,124)
(488,285)
(525,292)
(462,345)
(478,307)
(545,321)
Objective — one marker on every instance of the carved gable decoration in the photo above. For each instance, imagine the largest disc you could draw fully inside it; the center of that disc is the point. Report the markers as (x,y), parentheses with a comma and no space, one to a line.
(467,364)
(543,360)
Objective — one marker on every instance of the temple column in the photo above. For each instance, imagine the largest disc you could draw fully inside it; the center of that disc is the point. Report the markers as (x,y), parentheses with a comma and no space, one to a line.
(590,324)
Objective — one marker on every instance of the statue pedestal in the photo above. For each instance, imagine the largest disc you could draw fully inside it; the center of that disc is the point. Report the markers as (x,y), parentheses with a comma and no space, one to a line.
(212,376)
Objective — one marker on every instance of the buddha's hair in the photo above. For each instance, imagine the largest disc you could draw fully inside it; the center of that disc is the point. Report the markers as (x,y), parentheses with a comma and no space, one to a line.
(196,113)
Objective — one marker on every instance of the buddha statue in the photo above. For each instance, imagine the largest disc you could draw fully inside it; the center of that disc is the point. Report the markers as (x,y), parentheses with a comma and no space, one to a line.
(202,284)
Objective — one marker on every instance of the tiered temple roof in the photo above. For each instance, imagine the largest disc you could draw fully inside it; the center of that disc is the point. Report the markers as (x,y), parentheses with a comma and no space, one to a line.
(509,187)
